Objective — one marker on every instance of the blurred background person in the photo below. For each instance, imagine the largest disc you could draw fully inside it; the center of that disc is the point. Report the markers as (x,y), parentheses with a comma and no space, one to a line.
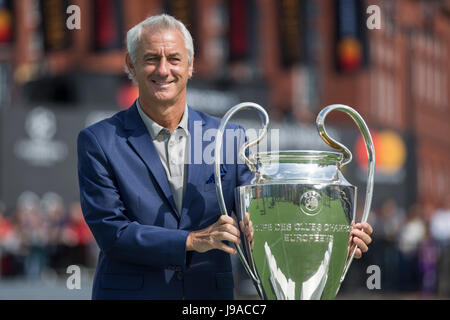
(440,232)
(412,234)
(389,220)
(77,239)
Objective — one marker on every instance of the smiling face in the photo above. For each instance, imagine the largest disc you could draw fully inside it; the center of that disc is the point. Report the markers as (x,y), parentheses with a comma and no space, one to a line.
(161,69)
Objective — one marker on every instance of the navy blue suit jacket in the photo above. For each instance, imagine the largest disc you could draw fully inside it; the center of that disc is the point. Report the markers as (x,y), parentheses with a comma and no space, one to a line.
(128,205)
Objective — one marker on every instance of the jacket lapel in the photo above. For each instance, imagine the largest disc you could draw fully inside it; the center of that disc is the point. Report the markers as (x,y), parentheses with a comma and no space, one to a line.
(196,163)
(142,144)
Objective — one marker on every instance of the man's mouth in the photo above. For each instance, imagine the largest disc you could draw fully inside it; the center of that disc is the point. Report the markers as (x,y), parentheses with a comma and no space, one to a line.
(162,83)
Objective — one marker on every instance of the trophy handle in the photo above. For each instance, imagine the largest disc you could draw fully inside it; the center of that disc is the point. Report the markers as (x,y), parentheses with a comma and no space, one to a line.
(248,162)
(348,158)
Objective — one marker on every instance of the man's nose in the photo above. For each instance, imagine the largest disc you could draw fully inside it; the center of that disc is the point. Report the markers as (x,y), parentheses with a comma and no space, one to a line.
(163,67)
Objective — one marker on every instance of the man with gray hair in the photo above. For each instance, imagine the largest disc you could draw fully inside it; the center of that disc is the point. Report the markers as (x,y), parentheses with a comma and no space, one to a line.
(153,210)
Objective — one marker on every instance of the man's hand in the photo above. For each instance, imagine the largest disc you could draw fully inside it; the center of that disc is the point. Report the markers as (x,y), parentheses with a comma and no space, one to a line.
(225,228)
(360,236)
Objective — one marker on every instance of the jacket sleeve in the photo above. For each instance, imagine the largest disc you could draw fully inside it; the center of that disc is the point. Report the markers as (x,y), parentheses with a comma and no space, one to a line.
(105,213)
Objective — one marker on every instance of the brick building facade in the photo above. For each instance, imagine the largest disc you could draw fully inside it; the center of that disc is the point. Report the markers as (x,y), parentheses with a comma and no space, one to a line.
(403,85)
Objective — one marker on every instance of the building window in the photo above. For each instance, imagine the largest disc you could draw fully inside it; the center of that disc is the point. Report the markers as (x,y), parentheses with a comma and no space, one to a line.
(430,79)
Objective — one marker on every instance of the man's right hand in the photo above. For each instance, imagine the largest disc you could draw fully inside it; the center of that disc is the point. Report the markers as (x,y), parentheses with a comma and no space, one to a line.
(212,237)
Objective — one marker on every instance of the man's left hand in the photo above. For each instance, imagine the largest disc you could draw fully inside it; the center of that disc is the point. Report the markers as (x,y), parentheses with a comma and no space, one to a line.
(360,236)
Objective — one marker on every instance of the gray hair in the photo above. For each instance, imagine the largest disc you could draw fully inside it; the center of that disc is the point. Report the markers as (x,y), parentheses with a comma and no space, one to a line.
(159,22)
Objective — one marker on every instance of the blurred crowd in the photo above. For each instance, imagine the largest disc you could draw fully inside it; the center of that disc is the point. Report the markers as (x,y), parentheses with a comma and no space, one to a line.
(412,248)
(43,236)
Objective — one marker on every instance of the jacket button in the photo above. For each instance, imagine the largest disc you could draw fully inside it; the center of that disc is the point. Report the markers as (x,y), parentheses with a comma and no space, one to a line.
(180,275)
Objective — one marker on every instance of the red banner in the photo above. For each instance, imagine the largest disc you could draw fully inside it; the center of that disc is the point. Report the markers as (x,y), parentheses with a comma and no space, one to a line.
(108,25)
(350,36)
(239,44)
(6,21)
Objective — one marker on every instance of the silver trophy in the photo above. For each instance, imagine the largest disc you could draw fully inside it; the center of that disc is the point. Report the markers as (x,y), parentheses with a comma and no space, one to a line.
(301,208)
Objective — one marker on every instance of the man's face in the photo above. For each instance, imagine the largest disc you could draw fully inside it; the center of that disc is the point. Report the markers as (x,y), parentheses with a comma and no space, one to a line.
(162,69)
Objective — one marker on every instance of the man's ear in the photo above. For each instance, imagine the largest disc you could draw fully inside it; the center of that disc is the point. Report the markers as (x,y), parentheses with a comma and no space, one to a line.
(130,65)
(191,68)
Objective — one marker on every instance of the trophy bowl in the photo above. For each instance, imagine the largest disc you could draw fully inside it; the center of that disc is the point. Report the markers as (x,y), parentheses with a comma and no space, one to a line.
(301,208)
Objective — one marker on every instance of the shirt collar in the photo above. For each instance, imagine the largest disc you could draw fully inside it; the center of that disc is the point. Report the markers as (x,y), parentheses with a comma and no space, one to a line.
(154,128)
